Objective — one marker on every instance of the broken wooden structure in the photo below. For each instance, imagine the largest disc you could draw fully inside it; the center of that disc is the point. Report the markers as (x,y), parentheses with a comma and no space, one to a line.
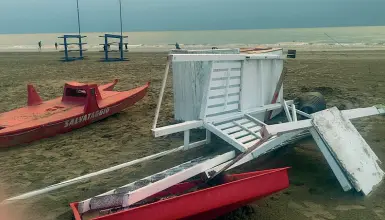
(236,97)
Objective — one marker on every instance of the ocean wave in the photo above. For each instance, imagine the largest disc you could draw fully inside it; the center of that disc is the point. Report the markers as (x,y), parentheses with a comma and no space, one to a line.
(166,47)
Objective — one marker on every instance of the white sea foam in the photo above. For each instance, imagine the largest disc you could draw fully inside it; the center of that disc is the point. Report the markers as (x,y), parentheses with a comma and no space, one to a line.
(306,39)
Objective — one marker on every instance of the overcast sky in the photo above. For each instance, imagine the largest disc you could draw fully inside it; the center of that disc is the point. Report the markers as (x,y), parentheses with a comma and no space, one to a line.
(57,16)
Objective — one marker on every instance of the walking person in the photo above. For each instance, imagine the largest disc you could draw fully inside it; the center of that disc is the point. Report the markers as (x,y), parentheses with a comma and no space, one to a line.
(39,44)
(56,45)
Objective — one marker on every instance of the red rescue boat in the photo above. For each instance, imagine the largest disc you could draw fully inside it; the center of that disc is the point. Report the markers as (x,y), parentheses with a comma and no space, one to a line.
(235,191)
(80,105)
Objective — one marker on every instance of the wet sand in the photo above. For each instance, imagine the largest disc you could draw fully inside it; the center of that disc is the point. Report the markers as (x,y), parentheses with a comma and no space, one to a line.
(348,79)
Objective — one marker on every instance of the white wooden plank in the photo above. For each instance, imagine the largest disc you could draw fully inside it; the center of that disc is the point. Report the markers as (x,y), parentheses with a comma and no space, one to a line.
(294,112)
(277,129)
(222,100)
(219,92)
(170,129)
(261,150)
(357,160)
(255,120)
(252,143)
(205,96)
(340,175)
(186,138)
(156,187)
(249,124)
(208,136)
(246,127)
(287,111)
(227,65)
(360,112)
(223,57)
(243,132)
(230,124)
(225,137)
(223,108)
(100,172)
(223,82)
(232,116)
(161,92)
(300,112)
(247,139)
(129,198)
(222,74)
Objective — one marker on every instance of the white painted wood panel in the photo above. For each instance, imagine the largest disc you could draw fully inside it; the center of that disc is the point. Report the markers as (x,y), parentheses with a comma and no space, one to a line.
(219,92)
(189,80)
(230,124)
(222,74)
(223,99)
(223,108)
(246,139)
(351,151)
(227,65)
(237,128)
(338,172)
(243,132)
(224,82)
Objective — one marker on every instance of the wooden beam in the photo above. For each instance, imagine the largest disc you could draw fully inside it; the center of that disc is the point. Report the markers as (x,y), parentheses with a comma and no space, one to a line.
(294,112)
(127,198)
(224,57)
(161,92)
(300,112)
(225,137)
(360,112)
(255,120)
(266,147)
(220,119)
(287,111)
(100,172)
(171,129)
(342,179)
(278,129)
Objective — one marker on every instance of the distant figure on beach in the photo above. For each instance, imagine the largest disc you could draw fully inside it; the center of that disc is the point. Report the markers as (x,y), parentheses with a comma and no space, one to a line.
(39,44)
(56,45)
(126,46)
(177,46)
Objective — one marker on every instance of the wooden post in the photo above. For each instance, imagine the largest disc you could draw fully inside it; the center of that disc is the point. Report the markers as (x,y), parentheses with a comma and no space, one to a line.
(105,48)
(276,93)
(161,92)
(80,46)
(65,48)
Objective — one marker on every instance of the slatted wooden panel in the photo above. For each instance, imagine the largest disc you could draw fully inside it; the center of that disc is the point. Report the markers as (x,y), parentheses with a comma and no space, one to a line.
(236,135)
(223,90)
(189,82)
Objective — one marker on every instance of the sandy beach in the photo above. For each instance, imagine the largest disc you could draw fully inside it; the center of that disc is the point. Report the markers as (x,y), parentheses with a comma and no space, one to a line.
(347,79)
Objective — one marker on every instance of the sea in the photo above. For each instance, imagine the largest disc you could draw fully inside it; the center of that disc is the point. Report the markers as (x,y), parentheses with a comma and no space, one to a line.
(310,38)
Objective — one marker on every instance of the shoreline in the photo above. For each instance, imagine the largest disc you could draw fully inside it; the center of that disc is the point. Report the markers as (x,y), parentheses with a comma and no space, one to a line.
(162,49)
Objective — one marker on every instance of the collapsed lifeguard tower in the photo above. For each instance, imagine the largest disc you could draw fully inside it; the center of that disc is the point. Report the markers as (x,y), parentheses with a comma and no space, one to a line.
(229,94)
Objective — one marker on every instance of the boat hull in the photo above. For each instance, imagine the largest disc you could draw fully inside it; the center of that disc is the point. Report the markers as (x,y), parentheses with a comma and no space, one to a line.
(207,203)
(70,123)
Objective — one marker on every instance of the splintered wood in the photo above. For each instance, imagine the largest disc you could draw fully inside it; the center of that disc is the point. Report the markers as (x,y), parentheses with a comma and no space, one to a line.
(349,149)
